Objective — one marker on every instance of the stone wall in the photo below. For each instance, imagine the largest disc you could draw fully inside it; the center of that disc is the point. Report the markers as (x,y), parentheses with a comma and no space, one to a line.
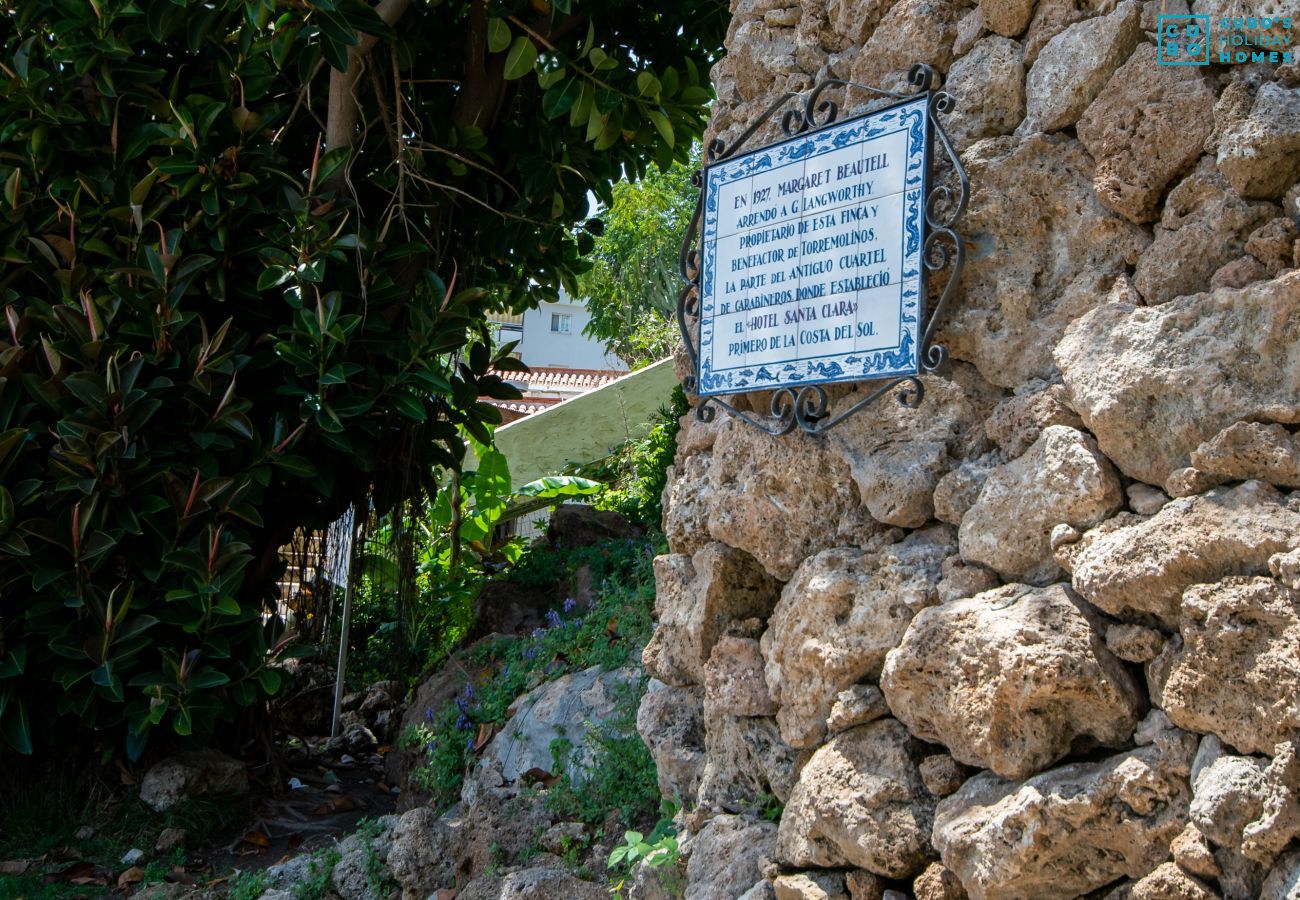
(1041,637)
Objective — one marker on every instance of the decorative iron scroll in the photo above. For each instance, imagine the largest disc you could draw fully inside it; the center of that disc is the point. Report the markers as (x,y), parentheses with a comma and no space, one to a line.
(806,406)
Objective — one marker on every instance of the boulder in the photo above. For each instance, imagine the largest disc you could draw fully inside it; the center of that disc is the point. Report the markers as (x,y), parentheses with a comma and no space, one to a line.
(1251,450)
(1260,153)
(194,774)
(1279,820)
(563,708)
(860,801)
(941,774)
(423,854)
(1018,421)
(696,598)
(542,883)
(727,857)
(1076,64)
(746,760)
(757,480)
(911,31)
(938,883)
(1043,251)
(1168,882)
(839,615)
(1134,643)
(686,503)
(1283,881)
(1273,244)
(1140,571)
(810,886)
(1010,680)
(1227,795)
(1236,673)
(1204,225)
(957,491)
(1070,830)
(897,455)
(856,705)
(1145,129)
(1193,853)
(1006,17)
(1153,383)
(989,84)
(733,679)
(1060,478)
(671,722)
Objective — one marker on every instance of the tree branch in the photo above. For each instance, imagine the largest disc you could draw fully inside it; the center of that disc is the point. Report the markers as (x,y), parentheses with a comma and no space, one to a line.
(341,120)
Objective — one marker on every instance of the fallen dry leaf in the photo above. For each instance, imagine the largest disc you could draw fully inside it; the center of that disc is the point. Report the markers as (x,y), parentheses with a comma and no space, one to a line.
(133,875)
(14,866)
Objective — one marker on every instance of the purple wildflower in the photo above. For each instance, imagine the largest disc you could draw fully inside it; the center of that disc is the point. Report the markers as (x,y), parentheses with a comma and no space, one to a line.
(463,705)
(530,653)
(469,745)
(539,632)
(552,618)
(462,722)
(569,605)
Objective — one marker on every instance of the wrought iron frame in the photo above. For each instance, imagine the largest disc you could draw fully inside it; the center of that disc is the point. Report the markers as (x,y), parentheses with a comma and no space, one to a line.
(805,406)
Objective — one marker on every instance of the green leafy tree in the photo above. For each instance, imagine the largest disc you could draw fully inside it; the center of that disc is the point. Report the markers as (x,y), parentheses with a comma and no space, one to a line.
(246,251)
(633,283)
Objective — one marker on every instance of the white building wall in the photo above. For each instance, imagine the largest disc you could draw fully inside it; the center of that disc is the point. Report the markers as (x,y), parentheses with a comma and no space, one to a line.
(541,345)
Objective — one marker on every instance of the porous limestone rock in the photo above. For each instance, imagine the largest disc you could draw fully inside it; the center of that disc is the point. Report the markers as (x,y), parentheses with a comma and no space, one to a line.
(1060,478)
(1070,830)
(912,31)
(1019,420)
(957,491)
(746,759)
(1227,795)
(1236,673)
(1145,500)
(1273,243)
(1238,273)
(782,499)
(1193,853)
(1134,643)
(670,721)
(423,854)
(961,579)
(1145,129)
(856,705)
(1076,64)
(1279,820)
(810,886)
(1204,224)
(1011,679)
(1006,17)
(838,616)
(544,883)
(1043,251)
(696,598)
(727,856)
(686,502)
(854,20)
(1286,568)
(1283,881)
(863,885)
(941,774)
(1140,571)
(989,84)
(897,457)
(1252,450)
(860,802)
(1260,153)
(938,883)
(1152,383)
(1168,882)
(733,679)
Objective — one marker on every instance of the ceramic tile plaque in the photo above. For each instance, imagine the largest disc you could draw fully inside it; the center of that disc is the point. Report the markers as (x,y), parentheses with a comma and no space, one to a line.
(811,256)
